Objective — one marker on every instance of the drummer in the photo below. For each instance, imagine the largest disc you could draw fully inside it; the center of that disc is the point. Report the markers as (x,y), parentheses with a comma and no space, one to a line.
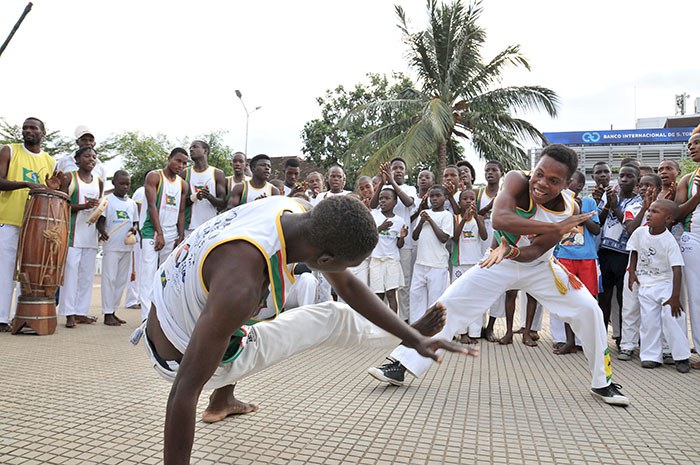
(23,167)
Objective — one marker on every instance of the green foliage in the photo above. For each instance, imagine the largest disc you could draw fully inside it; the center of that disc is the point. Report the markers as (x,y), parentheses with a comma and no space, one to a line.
(54,143)
(140,154)
(327,140)
(687,165)
(459,96)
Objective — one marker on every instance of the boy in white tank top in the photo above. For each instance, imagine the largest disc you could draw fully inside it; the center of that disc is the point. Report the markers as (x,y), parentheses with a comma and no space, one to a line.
(258,187)
(85,192)
(164,224)
(207,188)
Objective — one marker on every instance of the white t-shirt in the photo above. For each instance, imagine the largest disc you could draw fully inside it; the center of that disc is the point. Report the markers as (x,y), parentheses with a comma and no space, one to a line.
(118,212)
(430,251)
(405,212)
(469,247)
(387,247)
(656,255)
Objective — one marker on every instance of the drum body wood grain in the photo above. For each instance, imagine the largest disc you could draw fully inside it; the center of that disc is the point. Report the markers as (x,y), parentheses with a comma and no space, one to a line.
(38,313)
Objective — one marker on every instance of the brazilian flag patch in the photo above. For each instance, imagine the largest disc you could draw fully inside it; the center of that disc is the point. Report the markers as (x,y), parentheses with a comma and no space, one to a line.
(122,215)
(30,176)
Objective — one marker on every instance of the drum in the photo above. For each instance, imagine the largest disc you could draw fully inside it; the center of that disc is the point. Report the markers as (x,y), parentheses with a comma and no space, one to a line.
(43,243)
(38,313)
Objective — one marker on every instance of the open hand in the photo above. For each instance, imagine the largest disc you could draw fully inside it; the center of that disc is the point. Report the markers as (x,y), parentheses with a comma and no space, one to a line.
(496,255)
(570,224)
(429,348)
(675,304)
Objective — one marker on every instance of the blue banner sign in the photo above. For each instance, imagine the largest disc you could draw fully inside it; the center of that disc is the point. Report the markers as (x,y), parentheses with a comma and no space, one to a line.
(624,136)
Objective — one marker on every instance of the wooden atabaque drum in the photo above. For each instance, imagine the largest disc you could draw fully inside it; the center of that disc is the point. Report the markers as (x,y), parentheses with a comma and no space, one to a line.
(41,257)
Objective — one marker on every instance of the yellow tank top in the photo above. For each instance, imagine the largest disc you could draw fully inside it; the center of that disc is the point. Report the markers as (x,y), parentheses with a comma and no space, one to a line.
(24,166)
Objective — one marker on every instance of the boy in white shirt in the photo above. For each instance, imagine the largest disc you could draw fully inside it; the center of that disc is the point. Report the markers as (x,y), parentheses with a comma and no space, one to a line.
(430,273)
(118,220)
(655,264)
(467,250)
(385,274)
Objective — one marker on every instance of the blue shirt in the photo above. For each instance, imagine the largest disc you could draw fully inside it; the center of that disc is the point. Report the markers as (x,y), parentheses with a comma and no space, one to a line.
(580,245)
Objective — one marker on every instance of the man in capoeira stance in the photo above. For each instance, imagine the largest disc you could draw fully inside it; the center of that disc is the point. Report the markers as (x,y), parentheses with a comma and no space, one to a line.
(530,215)
(212,283)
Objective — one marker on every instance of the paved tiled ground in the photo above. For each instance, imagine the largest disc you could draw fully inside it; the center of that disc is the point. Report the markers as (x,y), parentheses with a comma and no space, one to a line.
(87,396)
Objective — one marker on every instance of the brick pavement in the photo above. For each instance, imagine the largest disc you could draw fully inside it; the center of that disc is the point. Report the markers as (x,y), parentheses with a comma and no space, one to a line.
(86,396)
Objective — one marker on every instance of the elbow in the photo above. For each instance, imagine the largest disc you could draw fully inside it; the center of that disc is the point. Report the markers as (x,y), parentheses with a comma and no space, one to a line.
(498,223)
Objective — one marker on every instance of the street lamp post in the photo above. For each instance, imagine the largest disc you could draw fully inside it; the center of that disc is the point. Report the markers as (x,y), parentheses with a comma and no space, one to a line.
(247,117)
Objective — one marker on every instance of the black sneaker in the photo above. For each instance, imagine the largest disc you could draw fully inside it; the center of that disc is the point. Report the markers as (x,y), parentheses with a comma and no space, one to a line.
(611,394)
(650,364)
(392,372)
(683,366)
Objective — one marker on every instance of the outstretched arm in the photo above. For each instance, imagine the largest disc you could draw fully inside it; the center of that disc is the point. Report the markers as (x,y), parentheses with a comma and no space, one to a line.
(367,304)
(218,321)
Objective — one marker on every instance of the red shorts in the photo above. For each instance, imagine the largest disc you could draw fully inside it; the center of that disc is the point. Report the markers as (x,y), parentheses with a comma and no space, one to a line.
(585,270)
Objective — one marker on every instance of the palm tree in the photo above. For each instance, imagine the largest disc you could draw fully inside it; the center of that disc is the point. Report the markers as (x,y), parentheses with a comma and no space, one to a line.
(459,96)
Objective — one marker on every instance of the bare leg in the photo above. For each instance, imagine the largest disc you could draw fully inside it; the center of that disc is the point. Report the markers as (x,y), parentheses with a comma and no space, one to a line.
(487,333)
(223,403)
(527,334)
(570,346)
(510,311)
(393,301)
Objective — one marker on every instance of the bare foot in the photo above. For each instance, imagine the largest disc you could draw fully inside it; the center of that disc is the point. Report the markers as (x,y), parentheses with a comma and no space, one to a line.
(433,321)
(5,328)
(488,335)
(557,345)
(111,320)
(565,349)
(119,319)
(534,335)
(70,321)
(528,340)
(506,339)
(84,320)
(695,365)
(465,339)
(519,331)
(232,406)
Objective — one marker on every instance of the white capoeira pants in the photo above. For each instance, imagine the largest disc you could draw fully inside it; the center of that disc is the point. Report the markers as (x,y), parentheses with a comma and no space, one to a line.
(474,328)
(330,324)
(150,260)
(427,285)
(9,241)
(361,272)
(408,260)
(466,298)
(116,270)
(78,275)
(132,288)
(302,292)
(631,318)
(690,249)
(656,317)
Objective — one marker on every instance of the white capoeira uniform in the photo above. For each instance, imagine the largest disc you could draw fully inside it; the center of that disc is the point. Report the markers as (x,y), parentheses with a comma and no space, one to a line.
(543,279)
(132,289)
(79,271)
(179,297)
(498,308)
(656,257)
(251,193)
(466,253)
(168,198)
(690,250)
(201,210)
(120,213)
(431,274)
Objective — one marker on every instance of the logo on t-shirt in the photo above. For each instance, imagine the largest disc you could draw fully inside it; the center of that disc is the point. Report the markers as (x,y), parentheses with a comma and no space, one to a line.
(30,176)
(122,215)
(170,200)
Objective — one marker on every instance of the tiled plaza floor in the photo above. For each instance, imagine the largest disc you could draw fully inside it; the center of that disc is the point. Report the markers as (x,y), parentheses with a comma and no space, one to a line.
(86,395)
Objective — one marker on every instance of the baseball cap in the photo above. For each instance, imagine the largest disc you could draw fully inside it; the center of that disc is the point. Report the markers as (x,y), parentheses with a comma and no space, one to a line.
(80,131)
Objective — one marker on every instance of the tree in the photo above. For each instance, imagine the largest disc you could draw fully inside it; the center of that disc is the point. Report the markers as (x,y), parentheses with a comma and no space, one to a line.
(140,154)
(459,96)
(54,143)
(327,141)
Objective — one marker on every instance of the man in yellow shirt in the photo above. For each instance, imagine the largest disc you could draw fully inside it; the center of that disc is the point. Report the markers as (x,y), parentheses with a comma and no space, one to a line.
(23,167)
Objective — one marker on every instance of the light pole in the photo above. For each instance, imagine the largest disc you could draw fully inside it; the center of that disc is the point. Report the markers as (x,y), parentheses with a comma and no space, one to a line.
(247,117)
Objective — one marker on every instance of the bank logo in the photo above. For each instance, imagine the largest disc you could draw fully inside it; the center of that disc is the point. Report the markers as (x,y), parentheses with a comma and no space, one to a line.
(590,137)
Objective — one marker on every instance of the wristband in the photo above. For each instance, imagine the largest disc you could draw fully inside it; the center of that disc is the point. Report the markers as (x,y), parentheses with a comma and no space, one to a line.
(513,254)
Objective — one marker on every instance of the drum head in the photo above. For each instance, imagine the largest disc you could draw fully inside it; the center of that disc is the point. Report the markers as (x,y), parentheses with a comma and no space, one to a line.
(50,193)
